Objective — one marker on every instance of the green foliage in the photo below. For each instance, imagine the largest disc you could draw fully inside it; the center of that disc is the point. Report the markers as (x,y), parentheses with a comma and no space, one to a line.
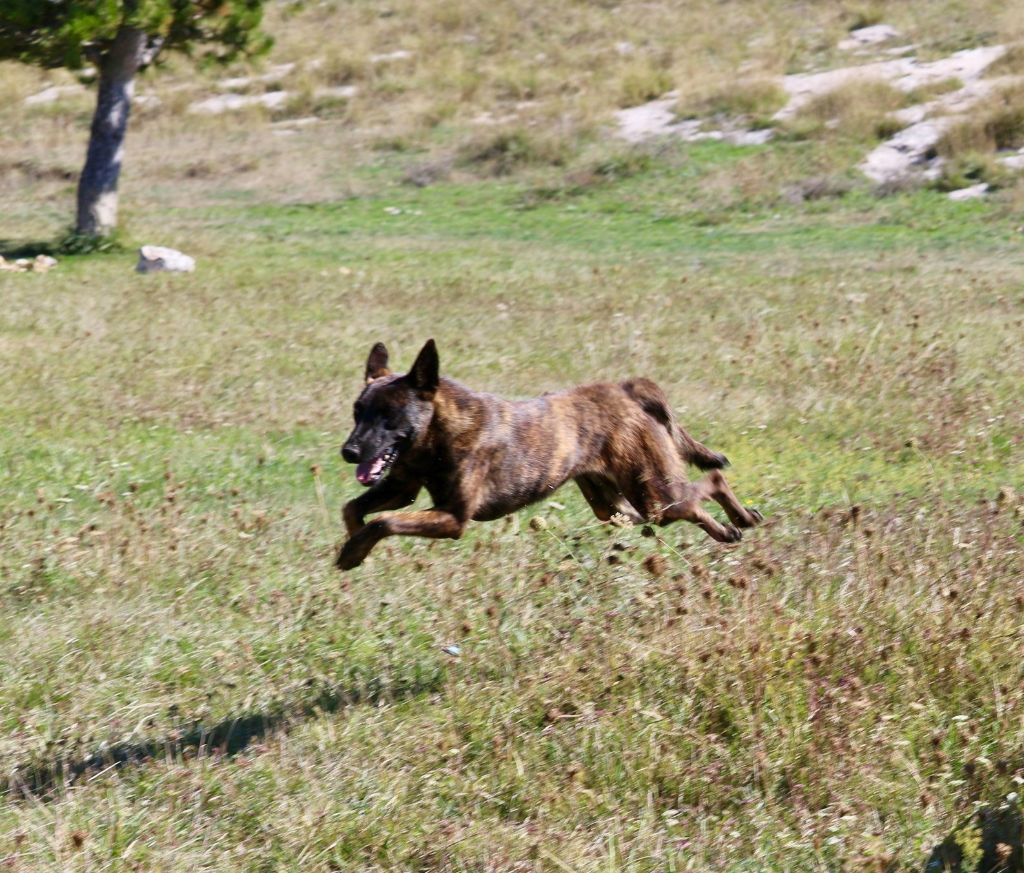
(70,33)
(75,243)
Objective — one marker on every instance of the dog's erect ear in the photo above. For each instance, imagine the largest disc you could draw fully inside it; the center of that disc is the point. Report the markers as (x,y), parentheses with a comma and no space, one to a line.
(377,363)
(424,374)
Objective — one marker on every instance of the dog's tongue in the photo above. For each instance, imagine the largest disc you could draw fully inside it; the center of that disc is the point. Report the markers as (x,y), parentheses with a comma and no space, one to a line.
(367,471)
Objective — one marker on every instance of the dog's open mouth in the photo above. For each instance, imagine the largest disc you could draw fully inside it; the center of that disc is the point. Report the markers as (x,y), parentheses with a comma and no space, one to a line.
(369,472)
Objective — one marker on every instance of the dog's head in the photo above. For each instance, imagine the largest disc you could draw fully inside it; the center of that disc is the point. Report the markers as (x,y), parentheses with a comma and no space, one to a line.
(392,412)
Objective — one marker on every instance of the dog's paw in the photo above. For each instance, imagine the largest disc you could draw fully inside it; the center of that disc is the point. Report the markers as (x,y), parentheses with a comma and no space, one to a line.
(732,534)
(755,517)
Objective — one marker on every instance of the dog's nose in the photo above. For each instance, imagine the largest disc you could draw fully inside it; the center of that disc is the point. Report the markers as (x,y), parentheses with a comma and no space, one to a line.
(350,453)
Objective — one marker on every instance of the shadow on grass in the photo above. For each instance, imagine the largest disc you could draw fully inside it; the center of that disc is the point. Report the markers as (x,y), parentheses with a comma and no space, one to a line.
(992,832)
(14,249)
(44,780)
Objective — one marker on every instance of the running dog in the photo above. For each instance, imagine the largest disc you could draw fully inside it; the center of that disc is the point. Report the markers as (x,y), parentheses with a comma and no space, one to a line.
(481,457)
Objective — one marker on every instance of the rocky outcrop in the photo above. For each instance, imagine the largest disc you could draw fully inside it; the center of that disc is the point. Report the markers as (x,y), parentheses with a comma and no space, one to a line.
(159,259)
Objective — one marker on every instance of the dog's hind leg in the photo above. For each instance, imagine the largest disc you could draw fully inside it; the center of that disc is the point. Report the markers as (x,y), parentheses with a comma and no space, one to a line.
(435,523)
(722,494)
(667,498)
(687,507)
(604,500)
(712,487)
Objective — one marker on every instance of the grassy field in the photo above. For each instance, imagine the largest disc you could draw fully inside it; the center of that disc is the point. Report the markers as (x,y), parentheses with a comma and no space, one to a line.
(187,684)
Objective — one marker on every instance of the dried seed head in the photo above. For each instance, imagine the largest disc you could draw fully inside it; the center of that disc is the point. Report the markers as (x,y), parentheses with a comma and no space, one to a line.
(655,565)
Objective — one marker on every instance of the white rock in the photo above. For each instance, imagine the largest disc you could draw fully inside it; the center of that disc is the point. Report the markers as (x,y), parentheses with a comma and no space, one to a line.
(898,50)
(338,92)
(305,121)
(906,152)
(291,126)
(231,102)
(158,259)
(972,193)
(906,74)
(655,118)
(38,264)
(658,118)
(385,57)
(750,137)
(238,82)
(1013,162)
(53,94)
(868,36)
(235,83)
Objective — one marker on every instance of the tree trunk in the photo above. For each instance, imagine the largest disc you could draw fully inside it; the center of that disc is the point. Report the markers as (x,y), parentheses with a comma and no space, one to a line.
(97,187)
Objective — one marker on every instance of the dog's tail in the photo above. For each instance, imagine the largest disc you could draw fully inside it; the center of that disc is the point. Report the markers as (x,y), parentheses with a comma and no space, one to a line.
(654,402)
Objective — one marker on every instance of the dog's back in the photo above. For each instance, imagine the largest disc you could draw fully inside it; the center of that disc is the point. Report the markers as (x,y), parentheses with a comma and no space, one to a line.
(517,452)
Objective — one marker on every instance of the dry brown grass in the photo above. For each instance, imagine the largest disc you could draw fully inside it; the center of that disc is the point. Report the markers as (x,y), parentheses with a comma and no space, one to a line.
(854,111)
(1010,64)
(996,124)
(643,81)
(754,99)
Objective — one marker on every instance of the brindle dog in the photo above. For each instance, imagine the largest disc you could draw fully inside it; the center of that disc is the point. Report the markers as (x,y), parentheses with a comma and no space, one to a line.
(481,457)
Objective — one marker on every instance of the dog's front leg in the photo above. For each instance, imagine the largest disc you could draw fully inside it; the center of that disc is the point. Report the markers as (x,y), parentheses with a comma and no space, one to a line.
(389,494)
(434,523)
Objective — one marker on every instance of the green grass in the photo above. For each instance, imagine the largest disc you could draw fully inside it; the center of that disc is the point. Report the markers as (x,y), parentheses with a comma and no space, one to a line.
(833,693)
